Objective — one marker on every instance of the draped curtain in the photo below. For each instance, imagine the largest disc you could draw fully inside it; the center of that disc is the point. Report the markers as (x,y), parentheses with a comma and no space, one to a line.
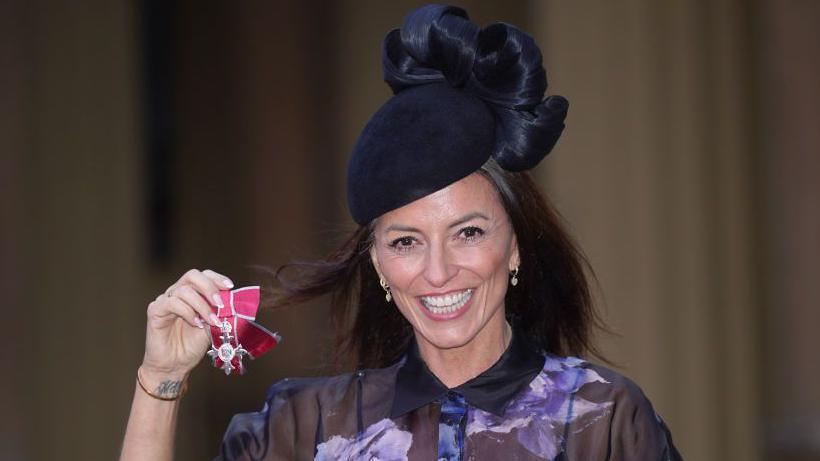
(688,174)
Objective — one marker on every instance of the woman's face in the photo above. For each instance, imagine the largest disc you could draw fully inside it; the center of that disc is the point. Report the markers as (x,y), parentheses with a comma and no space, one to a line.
(447,259)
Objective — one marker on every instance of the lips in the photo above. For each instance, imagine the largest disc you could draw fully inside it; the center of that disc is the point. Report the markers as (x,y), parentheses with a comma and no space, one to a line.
(444,305)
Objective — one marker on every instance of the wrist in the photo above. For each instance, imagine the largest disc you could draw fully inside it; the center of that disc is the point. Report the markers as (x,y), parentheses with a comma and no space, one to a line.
(162,368)
(158,373)
(162,385)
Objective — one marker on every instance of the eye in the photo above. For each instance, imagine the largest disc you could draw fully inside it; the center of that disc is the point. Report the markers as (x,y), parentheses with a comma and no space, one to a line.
(403,243)
(471,233)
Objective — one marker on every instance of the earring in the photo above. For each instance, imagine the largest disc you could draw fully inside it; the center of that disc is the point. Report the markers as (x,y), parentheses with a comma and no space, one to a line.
(387,296)
(514,277)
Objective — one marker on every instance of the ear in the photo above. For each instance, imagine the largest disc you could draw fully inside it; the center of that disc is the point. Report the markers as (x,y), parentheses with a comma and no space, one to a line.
(515,256)
(375,260)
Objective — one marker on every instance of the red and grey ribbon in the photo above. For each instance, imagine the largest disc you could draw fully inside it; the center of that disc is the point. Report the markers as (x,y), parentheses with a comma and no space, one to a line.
(238,335)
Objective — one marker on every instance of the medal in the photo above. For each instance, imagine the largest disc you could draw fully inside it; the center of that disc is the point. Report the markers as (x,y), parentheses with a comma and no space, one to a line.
(238,336)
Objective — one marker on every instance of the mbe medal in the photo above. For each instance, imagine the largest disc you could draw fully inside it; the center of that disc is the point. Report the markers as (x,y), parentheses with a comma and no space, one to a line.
(237,315)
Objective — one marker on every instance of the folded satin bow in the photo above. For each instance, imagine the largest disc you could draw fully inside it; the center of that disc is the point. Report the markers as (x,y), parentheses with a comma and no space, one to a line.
(238,335)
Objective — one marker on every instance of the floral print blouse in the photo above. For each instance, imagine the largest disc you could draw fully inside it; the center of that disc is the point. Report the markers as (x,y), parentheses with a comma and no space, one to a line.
(528,406)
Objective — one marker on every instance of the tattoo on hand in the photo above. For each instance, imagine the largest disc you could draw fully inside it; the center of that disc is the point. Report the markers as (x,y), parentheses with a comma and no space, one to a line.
(169,388)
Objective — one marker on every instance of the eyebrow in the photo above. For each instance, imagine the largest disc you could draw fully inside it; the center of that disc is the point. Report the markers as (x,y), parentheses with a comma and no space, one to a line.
(458,222)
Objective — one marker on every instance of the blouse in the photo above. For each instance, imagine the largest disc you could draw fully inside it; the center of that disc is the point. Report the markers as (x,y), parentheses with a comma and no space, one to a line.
(527,406)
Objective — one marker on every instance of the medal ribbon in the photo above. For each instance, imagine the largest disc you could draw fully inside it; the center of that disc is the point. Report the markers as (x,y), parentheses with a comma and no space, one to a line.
(238,335)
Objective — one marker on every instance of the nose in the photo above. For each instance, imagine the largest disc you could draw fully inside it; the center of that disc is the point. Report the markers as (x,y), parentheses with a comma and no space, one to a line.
(440,267)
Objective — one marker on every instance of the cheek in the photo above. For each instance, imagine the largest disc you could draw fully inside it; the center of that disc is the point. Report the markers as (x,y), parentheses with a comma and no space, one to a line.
(487,262)
(400,270)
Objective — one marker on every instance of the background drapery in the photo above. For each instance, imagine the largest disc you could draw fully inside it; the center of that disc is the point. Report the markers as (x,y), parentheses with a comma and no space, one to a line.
(140,140)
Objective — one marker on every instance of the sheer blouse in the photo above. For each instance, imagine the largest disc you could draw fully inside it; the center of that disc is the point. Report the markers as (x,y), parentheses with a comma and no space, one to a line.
(527,406)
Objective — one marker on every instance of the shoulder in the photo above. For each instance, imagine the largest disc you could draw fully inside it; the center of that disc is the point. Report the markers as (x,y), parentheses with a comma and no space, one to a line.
(296,408)
(595,381)
(330,389)
(620,388)
(636,429)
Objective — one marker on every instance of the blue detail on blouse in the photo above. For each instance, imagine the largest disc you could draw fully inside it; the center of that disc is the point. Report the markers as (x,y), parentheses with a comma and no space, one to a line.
(451,427)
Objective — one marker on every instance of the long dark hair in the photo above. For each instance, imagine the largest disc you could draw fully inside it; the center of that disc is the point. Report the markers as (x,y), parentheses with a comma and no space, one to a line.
(551,305)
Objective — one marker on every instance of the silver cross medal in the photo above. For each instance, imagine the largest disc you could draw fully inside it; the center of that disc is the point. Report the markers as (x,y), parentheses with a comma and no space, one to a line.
(226,352)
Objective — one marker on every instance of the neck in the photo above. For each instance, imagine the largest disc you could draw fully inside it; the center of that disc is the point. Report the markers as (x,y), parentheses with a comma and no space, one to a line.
(455,366)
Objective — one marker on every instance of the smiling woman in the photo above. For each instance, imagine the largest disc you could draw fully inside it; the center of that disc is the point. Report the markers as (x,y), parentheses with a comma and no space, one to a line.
(489,207)
(461,300)
(446,258)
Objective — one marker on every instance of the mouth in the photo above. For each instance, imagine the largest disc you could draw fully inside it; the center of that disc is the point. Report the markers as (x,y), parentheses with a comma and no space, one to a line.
(447,305)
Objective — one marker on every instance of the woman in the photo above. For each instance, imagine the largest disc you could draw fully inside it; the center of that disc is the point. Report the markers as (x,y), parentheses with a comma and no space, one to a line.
(460,299)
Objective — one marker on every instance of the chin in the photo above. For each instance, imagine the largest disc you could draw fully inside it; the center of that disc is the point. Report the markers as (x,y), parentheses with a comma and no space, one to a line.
(444,342)
(453,334)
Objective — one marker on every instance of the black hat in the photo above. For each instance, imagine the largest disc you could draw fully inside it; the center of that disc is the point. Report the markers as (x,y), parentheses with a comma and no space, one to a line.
(461,96)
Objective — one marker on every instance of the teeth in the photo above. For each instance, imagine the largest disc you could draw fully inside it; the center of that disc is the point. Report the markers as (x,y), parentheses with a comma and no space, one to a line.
(447,303)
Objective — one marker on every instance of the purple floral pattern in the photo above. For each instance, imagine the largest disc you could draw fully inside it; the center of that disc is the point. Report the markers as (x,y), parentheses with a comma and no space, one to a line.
(539,417)
(541,413)
(380,441)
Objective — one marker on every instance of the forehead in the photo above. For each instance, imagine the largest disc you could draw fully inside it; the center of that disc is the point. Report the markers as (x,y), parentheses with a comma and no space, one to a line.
(475,193)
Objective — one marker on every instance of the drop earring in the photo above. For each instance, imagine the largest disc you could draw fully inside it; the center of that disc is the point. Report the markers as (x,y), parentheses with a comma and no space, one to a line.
(514,277)
(387,296)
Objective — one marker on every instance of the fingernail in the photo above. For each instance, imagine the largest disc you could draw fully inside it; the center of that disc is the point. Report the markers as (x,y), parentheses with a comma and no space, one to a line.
(214,320)
(217,300)
(228,283)
(198,322)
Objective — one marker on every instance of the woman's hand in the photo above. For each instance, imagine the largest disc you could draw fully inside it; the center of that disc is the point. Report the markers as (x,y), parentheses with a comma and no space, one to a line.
(177,336)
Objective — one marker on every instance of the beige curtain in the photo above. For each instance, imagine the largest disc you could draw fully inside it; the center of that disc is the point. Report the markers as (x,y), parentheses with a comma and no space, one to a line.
(789,98)
(72,217)
(688,172)
(656,176)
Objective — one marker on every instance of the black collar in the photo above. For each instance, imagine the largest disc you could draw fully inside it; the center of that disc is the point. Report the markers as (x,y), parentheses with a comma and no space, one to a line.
(490,391)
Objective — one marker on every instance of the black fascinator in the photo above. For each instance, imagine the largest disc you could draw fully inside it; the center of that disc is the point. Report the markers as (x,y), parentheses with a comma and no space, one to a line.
(462,94)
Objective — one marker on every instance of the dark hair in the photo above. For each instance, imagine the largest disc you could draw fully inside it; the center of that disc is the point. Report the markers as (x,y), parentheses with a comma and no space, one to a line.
(551,305)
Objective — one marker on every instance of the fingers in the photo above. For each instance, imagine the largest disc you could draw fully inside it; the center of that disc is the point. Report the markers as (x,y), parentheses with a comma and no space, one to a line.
(181,308)
(196,302)
(166,305)
(200,290)
(219,279)
(206,286)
